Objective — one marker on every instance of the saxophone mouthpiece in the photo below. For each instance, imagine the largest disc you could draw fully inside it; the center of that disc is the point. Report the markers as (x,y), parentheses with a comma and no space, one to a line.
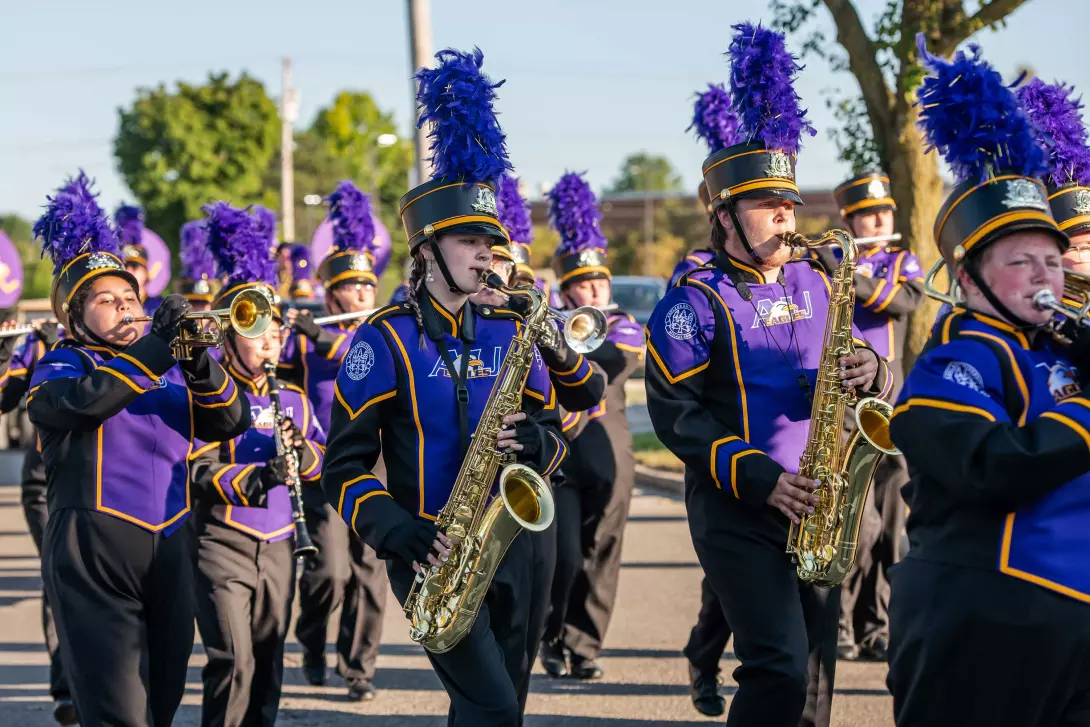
(492,280)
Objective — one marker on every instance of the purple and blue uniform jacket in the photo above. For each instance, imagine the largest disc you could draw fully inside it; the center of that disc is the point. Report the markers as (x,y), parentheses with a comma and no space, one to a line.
(996,430)
(117,429)
(223,471)
(394,394)
(15,381)
(692,261)
(727,351)
(314,365)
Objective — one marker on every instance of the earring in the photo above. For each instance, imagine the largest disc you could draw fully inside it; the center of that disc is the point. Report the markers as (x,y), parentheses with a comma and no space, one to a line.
(428,277)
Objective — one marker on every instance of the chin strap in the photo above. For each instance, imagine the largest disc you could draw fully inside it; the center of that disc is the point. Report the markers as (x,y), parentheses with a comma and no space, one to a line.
(434,243)
(741,233)
(236,359)
(84,334)
(1000,308)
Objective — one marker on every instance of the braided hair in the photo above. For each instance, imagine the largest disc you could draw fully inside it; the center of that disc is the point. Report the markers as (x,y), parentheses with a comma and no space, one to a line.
(416,278)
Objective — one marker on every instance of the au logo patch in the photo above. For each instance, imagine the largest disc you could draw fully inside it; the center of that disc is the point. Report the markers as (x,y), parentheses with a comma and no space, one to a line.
(358,362)
(777,312)
(1063,380)
(680,322)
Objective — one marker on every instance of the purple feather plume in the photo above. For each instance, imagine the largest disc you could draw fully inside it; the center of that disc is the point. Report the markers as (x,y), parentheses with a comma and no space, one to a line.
(714,120)
(80,185)
(350,213)
(573,210)
(239,245)
(1058,120)
(975,121)
(762,78)
(512,210)
(456,99)
(73,224)
(266,223)
(129,221)
(197,261)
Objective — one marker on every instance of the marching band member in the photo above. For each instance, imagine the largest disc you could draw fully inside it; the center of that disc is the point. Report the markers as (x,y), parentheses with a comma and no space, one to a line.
(888,287)
(592,507)
(1069,179)
(115,558)
(419,374)
(198,280)
(18,369)
(129,221)
(734,353)
(717,124)
(345,573)
(994,421)
(245,567)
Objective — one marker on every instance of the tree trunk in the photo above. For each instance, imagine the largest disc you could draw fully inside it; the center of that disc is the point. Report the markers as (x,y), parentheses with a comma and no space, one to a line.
(917,187)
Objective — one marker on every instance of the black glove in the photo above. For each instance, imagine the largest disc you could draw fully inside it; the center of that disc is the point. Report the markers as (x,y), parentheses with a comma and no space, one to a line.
(560,359)
(294,438)
(304,323)
(1079,350)
(520,303)
(531,436)
(411,541)
(275,472)
(48,333)
(7,348)
(197,368)
(169,317)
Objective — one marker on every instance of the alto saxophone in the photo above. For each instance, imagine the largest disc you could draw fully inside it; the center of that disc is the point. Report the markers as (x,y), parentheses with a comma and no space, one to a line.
(444,600)
(824,543)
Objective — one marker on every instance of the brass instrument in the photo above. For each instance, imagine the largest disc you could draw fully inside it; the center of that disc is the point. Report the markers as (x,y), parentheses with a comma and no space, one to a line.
(950,297)
(249,315)
(445,599)
(22,330)
(824,543)
(323,320)
(304,546)
(585,328)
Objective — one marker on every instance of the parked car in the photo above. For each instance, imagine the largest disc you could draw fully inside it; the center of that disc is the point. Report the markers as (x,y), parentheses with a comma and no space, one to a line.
(638,294)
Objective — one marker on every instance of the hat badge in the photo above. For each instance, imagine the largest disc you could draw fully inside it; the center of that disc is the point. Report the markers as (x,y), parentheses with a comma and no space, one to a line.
(201,287)
(589,258)
(876,190)
(485,202)
(1024,193)
(100,260)
(778,166)
(130,251)
(1082,202)
(358,262)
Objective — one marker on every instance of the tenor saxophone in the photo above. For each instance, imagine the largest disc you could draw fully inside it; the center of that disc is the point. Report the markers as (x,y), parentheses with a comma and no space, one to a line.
(444,600)
(824,543)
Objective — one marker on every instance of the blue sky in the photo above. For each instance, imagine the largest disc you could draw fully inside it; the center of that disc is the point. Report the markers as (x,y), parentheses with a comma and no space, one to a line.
(588,81)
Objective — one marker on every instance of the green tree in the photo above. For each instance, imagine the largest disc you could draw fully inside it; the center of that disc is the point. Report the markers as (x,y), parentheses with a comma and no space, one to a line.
(181,149)
(37,273)
(644,172)
(879,125)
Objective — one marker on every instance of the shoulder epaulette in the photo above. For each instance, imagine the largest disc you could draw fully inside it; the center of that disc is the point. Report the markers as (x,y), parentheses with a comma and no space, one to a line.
(705,268)
(288,386)
(388,311)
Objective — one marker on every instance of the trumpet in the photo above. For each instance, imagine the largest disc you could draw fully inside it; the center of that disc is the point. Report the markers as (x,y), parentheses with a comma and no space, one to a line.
(585,328)
(249,316)
(22,331)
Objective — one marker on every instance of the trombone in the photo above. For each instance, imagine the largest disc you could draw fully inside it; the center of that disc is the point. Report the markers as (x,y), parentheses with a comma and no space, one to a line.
(249,316)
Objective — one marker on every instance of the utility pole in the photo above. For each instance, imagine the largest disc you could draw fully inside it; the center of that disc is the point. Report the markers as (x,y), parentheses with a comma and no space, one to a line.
(419,56)
(289,112)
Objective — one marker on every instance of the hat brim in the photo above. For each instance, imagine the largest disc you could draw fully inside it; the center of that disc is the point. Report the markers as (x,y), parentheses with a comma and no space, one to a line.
(475,228)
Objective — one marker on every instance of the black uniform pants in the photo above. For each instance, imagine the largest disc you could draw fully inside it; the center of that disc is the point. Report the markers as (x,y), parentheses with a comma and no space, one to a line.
(784,630)
(543,559)
(975,647)
(244,592)
(483,672)
(864,607)
(347,574)
(592,511)
(36,512)
(709,637)
(123,603)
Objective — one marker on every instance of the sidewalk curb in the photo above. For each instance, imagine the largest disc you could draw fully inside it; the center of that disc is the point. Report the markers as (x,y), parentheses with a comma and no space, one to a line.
(665,480)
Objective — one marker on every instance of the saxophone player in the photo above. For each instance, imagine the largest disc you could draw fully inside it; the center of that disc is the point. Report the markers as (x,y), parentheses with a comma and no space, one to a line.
(417,377)
(733,355)
(245,577)
(990,608)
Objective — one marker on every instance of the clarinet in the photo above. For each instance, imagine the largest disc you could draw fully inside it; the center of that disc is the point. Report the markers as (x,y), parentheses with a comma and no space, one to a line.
(304,546)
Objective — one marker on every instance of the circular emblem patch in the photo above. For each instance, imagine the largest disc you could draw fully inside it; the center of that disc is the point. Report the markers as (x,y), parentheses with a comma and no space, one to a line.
(964,374)
(358,362)
(681,322)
